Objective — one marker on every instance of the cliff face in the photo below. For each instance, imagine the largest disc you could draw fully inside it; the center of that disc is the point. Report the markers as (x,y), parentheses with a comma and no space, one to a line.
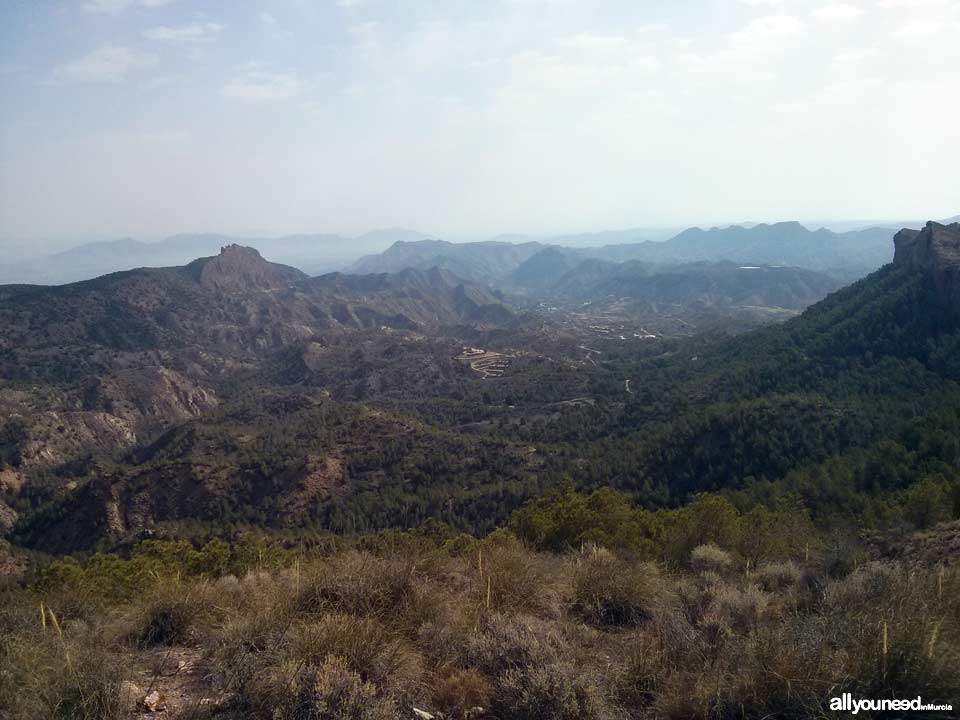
(934,250)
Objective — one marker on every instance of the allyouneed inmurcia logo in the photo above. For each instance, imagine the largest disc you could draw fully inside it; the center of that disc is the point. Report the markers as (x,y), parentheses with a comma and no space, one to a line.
(853,706)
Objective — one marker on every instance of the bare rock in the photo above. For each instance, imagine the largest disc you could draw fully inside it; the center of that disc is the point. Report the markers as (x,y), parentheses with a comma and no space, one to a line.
(934,250)
(155,702)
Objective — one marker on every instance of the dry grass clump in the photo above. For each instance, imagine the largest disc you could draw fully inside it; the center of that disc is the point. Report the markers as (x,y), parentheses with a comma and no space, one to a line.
(710,558)
(51,668)
(458,693)
(358,583)
(335,692)
(533,676)
(355,658)
(363,643)
(171,615)
(509,578)
(608,591)
(557,691)
(869,582)
(737,609)
(778,576)
(509,642)
(330,691)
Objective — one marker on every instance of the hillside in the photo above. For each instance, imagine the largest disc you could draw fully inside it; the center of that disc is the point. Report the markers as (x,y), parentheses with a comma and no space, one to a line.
(233,302)
(837,387)
(712,284)
(92,369)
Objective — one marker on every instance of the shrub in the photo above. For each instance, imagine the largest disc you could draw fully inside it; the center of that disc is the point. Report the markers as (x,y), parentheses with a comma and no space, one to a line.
(611,592)
(335,692)
(62,671)
(778,576)
(556,691)
(169,618)
(461,691)
(710,558)
(358,583)
(364,644)
(868,583)
(516,580)
(738,609)
(506,643)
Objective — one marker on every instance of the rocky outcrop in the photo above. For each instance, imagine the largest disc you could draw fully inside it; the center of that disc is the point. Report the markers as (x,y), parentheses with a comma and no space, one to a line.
(242,268)
(54,437)
(934,250)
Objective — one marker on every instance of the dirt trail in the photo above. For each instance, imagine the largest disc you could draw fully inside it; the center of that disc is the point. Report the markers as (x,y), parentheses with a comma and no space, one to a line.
(174,681)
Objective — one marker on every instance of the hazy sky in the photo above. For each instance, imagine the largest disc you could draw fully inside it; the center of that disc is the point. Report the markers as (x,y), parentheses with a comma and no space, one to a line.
(150,117)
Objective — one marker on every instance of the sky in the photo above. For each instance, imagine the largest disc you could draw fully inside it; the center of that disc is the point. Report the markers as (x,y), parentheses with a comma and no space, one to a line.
(145,118)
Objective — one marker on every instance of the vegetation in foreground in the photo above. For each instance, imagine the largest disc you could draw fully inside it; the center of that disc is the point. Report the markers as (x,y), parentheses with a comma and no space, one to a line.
(581,609)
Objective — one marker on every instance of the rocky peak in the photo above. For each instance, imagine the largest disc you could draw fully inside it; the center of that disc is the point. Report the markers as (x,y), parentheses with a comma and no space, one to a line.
(936,251)
(243,268)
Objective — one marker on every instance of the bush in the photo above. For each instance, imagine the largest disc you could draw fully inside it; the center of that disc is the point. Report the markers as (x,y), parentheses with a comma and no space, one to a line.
(516,580)
(739,610)
(363,643)
(556,691)
(63,671)
(461,691)
(710,558)
(778,576)
(335,692)
(169,618)
(358,583)
(611,592)
(506,643)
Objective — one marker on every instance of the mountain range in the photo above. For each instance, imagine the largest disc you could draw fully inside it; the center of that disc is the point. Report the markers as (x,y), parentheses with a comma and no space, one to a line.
(314,253)
(233,390)
(850,254)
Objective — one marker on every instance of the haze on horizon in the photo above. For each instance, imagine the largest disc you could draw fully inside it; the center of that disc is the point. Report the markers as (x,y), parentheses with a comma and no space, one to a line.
(146,118)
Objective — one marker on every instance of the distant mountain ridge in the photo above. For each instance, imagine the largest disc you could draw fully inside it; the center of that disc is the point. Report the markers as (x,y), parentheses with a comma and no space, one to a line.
(311,253)
(480,261)
(852,254)
(786,243)
(857,251)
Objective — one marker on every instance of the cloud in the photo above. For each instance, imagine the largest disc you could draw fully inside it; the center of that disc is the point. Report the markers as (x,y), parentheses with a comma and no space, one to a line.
(838,12)
(919,28)
(766,30)
(107,63)
(258,85)
(588,41)
(194,32)
(912,4)
(853,55)
(267,19)
(115,7)
(351,3)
